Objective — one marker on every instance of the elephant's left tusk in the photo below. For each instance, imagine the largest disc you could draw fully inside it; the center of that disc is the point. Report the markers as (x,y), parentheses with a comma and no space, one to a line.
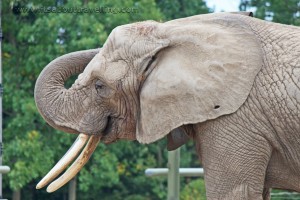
(77,165)
(65,160)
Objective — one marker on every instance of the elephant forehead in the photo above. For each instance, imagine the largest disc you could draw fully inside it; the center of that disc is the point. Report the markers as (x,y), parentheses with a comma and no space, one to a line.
(114,71)
(118,37)
(101,68)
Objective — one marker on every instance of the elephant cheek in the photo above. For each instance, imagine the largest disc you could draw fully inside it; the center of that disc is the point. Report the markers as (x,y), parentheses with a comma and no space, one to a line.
(129,132)
(93,121)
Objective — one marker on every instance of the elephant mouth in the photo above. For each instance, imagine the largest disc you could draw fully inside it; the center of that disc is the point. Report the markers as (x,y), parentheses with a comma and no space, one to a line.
(110,132)
(109,126)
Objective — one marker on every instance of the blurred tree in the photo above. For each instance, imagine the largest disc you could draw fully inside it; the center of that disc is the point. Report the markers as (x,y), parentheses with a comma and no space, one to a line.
(195,189)
(281,11)
(31,40)
(173,9)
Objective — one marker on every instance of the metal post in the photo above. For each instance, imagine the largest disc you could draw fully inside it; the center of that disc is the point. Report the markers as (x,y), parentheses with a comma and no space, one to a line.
(72,189)
(173,175)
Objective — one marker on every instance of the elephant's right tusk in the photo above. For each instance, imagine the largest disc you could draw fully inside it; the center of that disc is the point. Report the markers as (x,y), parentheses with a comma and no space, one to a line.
(64,161)
(77,165)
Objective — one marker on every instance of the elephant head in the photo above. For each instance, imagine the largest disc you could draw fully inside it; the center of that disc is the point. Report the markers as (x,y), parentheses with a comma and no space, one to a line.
(148,79)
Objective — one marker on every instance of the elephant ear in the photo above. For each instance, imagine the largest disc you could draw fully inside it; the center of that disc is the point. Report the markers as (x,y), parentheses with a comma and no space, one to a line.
(201,76)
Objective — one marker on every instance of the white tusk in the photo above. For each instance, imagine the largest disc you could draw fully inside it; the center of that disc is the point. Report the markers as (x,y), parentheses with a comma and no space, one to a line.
(77,165)
(64,161)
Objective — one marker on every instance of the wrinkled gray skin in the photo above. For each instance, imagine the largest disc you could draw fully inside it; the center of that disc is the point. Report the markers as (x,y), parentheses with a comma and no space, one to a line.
(245,123)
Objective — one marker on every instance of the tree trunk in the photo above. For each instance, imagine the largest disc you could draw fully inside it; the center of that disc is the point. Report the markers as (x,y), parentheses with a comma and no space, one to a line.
(16,195)
(72,189)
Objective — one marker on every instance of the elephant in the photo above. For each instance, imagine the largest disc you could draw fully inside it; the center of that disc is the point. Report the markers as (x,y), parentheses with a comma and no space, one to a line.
(229,82)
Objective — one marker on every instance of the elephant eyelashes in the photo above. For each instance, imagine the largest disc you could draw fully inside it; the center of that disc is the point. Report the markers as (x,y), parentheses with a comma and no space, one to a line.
(99,85)
(101,89)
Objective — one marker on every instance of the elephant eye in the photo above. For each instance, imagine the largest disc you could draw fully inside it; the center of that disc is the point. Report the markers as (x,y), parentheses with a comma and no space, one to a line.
(103,90)
(99,85)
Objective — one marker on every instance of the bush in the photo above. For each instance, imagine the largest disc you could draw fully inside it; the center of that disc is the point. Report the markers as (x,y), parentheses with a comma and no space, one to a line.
(194,190)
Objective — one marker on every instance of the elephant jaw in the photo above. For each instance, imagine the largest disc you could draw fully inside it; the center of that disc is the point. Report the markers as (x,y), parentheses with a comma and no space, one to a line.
(72,153)
(118,128)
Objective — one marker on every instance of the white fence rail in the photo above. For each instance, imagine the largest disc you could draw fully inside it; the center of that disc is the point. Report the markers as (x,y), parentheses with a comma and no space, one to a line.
(186,172)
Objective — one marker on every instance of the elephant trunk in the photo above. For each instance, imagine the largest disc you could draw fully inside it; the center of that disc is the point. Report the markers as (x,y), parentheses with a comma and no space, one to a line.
(62,108)
(58,105)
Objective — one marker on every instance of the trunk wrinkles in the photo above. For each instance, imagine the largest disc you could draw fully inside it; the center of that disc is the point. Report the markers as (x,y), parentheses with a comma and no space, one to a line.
(59,106)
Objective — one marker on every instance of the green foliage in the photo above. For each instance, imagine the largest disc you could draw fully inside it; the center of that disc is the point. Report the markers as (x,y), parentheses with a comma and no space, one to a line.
(103,166)
(131,165)
(283,195)
(27,166)
(194,190)
(285,12)
(174,9)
